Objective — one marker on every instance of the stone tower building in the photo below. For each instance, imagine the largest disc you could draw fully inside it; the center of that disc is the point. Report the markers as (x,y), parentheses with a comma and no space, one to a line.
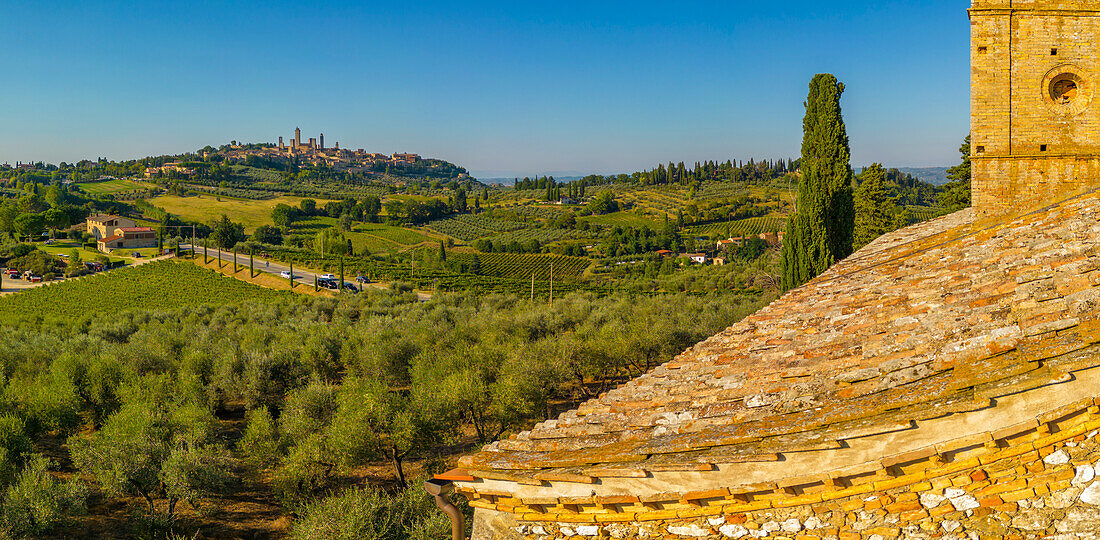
(1035,129)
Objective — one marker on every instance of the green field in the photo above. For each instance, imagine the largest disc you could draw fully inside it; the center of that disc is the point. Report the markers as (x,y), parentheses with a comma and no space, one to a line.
(754,225)
(65,247)
(110,187)
(160,285)
(522,265)
(376,237)
(470,227)
(206,208)
(626,219)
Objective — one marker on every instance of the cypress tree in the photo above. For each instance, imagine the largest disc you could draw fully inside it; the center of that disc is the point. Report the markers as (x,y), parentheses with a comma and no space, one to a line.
(877,211)
(820,231)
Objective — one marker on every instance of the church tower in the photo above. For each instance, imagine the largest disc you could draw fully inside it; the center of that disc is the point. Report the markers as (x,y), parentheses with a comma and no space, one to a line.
(1035,130)
(297,137)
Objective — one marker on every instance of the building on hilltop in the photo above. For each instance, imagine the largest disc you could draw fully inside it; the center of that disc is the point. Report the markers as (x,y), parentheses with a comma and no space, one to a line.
(942,382)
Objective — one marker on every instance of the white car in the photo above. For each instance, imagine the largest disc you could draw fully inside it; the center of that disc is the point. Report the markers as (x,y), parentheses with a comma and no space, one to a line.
(326,276)
(286,274)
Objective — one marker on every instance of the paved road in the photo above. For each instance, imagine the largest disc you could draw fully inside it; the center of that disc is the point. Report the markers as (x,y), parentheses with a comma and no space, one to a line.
(273,267)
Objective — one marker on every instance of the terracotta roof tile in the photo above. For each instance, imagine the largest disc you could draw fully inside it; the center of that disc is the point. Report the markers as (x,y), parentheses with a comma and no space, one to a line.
(928,321)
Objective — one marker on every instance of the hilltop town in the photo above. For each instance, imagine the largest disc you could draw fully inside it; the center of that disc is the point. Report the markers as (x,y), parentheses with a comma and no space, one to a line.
(297,153)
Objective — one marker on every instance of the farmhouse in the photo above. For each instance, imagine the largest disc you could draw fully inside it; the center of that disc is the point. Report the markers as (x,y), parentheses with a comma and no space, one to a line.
(942,382)
(104,225)
(129,238)
(114,232)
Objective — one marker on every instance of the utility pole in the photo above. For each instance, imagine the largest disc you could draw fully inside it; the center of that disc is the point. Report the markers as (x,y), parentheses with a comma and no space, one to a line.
(532,285)
(551,284)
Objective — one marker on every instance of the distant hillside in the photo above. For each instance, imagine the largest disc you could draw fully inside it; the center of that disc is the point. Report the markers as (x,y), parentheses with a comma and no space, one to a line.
(937,176)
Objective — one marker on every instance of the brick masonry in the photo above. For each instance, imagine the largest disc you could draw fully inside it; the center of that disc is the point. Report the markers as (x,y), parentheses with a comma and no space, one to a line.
(1040,483)
(1028,147)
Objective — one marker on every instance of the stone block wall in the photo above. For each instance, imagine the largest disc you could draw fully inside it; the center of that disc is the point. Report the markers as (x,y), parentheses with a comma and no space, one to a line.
(1037,480)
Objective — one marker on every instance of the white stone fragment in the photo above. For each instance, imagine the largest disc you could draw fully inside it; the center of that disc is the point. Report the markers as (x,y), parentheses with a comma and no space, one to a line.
(522,529)
(758,533)
(950,526)
(877,537)
(566,531)
(953,493)
(692,530)
(813,523)
(966,502)
(792,525)
(1091,495)
(1060,457)
(1085,474)
(771,526)
(929,499)
(1093,433)
(588,530)
(716,521)
(733,531)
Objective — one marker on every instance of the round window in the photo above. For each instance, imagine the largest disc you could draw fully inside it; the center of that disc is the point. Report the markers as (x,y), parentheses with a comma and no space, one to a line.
(1065,92)
(1064,88)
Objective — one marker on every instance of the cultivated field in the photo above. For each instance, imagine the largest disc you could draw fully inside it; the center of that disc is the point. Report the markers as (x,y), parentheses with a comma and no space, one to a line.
(206,208)
(158,285)
(111,187)
(754,225)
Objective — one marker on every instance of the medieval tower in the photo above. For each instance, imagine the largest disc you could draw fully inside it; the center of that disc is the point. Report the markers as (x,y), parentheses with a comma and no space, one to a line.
(1035,131)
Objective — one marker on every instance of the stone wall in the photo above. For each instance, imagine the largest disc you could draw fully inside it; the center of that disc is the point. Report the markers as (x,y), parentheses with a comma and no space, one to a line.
(1029,144)
(1040,482)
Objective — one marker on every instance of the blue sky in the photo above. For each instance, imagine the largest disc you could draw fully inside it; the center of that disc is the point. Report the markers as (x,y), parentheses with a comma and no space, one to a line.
(502,88)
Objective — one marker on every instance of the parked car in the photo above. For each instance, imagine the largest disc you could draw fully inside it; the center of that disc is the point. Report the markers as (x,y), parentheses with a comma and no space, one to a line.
(327,284)
(136,255)
(12,272)
(286,274)
(362,279)
(350,288)
(326,276)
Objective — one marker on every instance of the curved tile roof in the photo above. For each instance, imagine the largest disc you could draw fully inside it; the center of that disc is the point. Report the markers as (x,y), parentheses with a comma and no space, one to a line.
(925,322)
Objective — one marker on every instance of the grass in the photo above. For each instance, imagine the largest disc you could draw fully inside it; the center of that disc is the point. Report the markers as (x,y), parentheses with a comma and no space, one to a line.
(65,247)
(376,237)
(206,208)
(161,285)
(109,187)
(626,219)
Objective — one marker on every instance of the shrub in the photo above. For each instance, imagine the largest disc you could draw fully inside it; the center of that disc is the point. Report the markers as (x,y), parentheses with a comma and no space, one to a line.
(36,502)
(369,513)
